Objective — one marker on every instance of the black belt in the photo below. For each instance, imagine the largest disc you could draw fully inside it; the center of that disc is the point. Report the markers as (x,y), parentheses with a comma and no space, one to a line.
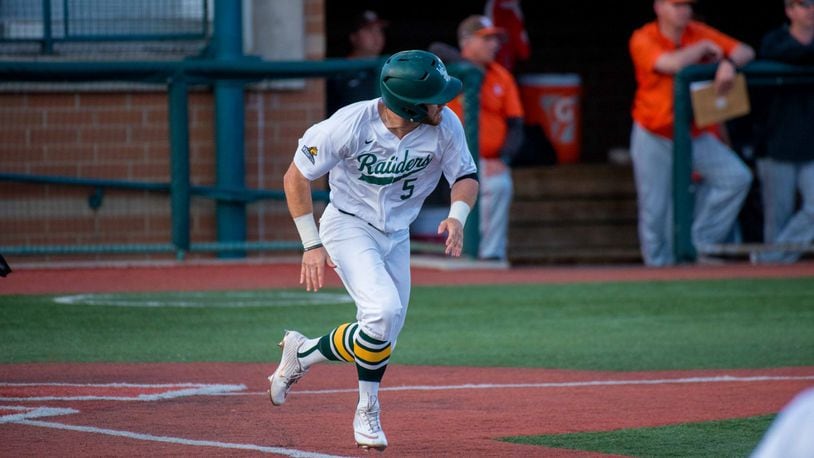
(351,214)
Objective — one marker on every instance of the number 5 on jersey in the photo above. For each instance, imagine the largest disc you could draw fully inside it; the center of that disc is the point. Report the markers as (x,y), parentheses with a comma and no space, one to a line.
(408,188)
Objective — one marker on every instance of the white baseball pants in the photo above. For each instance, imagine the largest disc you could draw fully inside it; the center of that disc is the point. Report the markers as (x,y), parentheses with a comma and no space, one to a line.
(374,267)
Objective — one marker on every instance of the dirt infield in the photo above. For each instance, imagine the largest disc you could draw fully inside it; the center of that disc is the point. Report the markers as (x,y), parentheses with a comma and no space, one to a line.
(427,411)
(222,409)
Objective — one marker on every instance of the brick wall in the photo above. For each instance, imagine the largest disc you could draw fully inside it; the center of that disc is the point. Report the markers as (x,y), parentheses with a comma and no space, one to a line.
(274,123)
(123,134)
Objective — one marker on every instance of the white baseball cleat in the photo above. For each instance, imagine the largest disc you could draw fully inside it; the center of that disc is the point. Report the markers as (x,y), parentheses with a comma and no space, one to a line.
(367,426)
(289,371)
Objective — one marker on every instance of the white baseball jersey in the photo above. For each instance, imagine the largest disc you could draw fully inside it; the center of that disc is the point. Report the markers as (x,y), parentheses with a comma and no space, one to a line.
(373,174)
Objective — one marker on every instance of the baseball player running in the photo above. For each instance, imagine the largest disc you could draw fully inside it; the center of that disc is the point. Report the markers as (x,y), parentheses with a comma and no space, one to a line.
(383,158)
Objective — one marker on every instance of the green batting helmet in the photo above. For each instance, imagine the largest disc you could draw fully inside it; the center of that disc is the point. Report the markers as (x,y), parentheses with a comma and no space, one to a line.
(412,79)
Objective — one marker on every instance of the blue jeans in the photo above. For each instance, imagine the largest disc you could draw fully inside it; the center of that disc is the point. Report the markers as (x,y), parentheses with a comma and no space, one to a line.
(780,181)
(725,181)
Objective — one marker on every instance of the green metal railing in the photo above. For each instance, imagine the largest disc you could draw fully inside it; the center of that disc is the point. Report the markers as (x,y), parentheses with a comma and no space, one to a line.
(105,20)
(179,75)
(472,77)
(758,73)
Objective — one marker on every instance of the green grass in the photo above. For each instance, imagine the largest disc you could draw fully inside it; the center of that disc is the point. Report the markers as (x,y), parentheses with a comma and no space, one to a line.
(602,326)
(725,438)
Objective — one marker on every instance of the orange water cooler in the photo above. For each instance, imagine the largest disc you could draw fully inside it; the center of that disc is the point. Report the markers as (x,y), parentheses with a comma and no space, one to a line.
(552,100)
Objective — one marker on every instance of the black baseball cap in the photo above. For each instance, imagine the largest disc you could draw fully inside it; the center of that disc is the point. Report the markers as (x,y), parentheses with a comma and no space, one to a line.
(368,18)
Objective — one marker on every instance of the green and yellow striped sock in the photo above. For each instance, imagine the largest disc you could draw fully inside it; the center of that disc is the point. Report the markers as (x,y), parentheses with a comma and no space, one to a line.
(337,345)
(348,343)
(372,356)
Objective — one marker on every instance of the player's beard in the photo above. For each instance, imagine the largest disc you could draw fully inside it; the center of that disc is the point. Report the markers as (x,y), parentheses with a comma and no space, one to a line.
(433,119)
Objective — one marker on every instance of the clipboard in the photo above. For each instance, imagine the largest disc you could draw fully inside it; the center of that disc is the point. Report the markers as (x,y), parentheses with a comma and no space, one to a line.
(710,108)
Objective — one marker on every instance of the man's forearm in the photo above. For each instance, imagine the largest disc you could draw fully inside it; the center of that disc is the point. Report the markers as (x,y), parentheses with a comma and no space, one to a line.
(297,192)
(741,55)
(301,206)
(673,62)
(465,190)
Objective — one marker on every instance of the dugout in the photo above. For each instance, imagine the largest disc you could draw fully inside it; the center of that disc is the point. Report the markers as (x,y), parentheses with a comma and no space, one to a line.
(86,210)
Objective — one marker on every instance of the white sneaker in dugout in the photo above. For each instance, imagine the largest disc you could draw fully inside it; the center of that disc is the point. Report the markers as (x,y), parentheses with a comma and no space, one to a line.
(367,425)
(289,371)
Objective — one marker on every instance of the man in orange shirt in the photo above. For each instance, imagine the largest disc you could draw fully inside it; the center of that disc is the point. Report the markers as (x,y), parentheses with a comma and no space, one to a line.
(659,50)
(500,131)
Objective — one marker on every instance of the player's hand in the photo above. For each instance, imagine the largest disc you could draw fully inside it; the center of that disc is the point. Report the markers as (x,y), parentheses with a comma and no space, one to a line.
(455,236)
(312,273)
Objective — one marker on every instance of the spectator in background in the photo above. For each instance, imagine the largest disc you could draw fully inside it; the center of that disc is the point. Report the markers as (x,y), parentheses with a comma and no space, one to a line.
(508,15)
(367,40)
(789,162)
(500,131)
(659,50)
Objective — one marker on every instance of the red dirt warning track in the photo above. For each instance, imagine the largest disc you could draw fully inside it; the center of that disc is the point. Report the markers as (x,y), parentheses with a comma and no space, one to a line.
(248,275)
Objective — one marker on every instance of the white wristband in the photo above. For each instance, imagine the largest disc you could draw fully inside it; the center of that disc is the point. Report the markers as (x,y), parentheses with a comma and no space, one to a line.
(309,234)
(459,210)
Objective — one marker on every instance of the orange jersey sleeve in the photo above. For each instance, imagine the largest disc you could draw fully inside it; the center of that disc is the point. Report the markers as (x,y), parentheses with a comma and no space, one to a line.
(499,100)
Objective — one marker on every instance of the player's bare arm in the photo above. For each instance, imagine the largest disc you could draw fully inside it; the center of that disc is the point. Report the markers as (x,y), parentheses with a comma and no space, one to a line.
(301,206)
(463,196)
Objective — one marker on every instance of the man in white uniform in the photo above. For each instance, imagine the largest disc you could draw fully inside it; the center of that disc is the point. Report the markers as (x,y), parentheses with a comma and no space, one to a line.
(383,157)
